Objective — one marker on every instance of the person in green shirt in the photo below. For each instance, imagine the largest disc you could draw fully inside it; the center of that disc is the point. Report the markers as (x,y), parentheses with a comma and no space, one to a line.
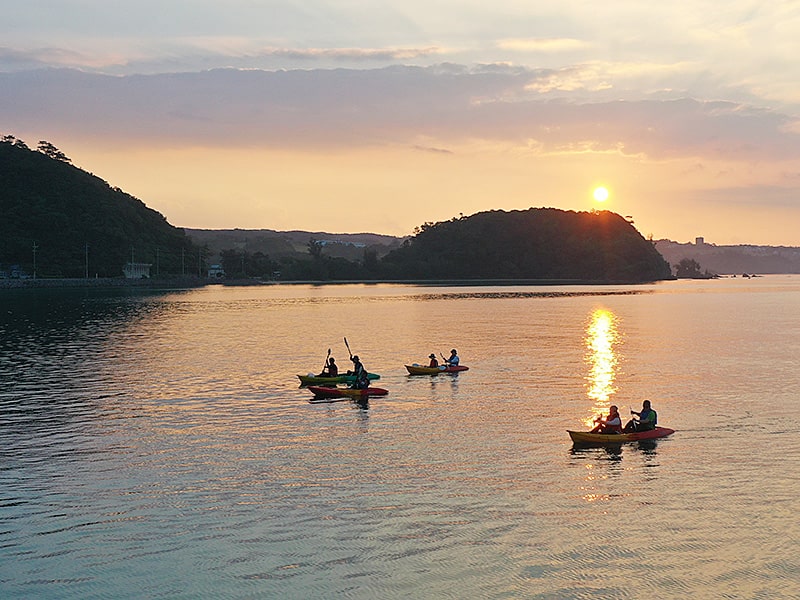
(647,418)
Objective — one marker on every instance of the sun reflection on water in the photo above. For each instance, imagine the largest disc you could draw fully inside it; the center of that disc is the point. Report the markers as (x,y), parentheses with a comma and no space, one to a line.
(602,357)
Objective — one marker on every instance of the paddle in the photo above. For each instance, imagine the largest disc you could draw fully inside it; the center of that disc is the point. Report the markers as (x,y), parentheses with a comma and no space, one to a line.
(631,422)
(355,383)
(325,368)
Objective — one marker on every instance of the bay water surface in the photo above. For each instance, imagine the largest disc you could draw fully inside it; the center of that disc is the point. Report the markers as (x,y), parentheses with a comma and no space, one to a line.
(158,444)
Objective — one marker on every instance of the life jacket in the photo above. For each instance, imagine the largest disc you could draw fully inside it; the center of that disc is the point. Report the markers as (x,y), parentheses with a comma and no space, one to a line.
(609,427)
(647,420)
(362,378)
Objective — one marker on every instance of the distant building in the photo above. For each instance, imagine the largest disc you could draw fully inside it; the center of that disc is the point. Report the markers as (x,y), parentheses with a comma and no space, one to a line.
(340,243)
(699,241)
(134,270)
(16,272)
(216,272)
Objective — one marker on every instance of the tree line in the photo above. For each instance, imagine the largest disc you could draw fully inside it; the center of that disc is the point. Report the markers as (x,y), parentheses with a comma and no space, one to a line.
(542,243)
(65,222)
(57,220)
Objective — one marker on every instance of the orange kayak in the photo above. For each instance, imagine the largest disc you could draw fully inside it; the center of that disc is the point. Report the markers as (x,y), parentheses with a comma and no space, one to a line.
(420,370)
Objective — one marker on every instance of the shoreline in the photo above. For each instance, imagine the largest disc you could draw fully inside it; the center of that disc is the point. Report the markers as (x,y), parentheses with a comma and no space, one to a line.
(184,282)
(101,282)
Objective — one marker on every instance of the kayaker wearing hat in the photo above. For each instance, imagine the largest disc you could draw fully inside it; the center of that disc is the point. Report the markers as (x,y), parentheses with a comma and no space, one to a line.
(434,362)
(453,360)
(361,380)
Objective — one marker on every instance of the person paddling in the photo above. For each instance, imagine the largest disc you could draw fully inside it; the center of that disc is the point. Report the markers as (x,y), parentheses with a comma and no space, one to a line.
(453,360)
(331,369)
(361,381)
(612,423)
(648,419)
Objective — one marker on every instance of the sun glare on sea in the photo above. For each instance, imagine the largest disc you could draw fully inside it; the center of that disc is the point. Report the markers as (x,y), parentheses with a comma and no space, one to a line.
(600,194)
(602,357)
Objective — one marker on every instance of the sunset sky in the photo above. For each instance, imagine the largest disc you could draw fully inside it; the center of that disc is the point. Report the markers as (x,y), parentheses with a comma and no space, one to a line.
(380,115)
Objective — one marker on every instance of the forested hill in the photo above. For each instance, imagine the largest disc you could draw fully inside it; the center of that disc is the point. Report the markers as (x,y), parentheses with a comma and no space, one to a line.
(538,243)
(74,223)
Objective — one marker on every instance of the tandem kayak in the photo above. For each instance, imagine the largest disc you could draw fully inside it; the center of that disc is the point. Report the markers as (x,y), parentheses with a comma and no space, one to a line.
(317,380)
(605,439)
(420,370)
(338,392)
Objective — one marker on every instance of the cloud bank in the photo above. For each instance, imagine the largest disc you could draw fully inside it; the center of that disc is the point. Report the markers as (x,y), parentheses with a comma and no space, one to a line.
(394,105)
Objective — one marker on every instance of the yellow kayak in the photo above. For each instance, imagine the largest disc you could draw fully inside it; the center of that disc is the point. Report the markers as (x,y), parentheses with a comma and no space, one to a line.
(604,439)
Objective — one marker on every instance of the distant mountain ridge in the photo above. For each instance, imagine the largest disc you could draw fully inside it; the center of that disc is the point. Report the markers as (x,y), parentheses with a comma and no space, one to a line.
(738,259)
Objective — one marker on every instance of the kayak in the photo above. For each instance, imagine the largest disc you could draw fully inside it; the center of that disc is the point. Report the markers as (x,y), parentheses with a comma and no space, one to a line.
(585,437)
(420,370)
(317,380)
(339,392)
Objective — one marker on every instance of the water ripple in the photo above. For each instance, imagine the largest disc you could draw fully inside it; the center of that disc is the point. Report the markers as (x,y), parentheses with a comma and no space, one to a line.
(158,446)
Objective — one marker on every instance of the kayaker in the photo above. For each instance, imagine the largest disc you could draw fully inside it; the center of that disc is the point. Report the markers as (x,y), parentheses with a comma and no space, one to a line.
(331,369)
(648,418)
(453,360)
(434,362)
(361,381)
(612,423)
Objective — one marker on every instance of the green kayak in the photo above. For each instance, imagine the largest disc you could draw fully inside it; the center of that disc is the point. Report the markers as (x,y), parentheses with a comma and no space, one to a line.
(311,379)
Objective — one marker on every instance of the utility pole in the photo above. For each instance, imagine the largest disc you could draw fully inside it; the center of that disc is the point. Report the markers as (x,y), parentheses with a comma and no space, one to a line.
(86,261)
(157,263)
(35,248)
(183,261)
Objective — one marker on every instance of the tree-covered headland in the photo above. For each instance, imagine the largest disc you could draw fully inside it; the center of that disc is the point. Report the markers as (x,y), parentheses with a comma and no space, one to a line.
(57,220)
(538,243)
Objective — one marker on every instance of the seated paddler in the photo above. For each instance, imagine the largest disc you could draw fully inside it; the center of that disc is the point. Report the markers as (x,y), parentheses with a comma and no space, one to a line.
(647,419)
(611,423)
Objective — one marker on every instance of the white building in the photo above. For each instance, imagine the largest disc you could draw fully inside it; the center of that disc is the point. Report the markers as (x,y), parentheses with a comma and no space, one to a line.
(134,270)
(216,272)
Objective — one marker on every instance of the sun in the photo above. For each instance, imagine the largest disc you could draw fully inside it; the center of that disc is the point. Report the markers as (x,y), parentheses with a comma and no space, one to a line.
(600,194)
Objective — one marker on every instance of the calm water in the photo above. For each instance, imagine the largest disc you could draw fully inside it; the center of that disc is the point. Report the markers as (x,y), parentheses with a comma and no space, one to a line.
(158,445)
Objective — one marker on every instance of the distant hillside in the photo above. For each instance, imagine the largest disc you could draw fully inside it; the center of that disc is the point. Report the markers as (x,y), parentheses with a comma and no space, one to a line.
(733,259)
(287,244)
(71,222)
(538,243)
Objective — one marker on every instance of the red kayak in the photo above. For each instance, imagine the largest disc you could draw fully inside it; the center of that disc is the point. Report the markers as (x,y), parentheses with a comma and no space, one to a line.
(605,439)
(338,392)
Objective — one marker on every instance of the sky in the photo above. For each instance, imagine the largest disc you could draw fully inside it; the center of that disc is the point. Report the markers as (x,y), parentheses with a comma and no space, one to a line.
(382,115)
